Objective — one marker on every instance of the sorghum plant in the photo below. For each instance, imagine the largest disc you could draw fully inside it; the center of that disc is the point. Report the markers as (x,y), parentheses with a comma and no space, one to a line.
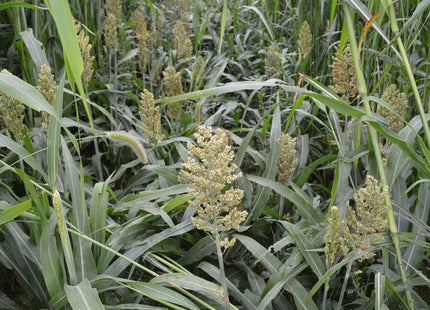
(210,170)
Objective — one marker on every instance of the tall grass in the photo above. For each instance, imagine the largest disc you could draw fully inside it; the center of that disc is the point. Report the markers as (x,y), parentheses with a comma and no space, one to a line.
(93,215)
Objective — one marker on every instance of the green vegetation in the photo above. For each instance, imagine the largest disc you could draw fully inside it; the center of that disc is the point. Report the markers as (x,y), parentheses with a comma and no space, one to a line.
(184,154)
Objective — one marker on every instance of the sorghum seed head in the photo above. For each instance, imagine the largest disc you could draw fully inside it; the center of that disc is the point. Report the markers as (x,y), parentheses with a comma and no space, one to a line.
(48,89)
(12,112)
(182,42)
(286,160)
(344,78)
(210,169)
(173,87)
(150,115)
(398,102)
(272,61)
(305,40)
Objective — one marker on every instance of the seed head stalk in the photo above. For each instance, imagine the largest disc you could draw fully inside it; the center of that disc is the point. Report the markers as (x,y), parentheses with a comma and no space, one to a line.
(362,89)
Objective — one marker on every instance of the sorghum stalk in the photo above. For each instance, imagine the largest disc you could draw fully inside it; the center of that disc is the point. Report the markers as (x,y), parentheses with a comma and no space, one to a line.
(362,89)
(345,281)
(222,271)
(395,29)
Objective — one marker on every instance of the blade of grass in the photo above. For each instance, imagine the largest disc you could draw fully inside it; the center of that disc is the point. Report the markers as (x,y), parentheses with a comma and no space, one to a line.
(303,207)
(192,282)
(62,15)
(54,136)
(161,294)
(21,4)
(14,211)
(83,296)
(223,22)
(25,93)
(305,246)
(98,213)
(85,264)
(51,259)
(35,48)
(263,192)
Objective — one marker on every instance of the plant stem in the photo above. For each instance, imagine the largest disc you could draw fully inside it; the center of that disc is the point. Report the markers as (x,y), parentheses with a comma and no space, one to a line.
(326,288)
(221,270)
(361,85)
(345,282)
(395,29)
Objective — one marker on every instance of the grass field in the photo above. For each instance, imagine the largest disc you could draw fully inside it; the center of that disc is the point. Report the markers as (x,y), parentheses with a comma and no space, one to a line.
(181,154)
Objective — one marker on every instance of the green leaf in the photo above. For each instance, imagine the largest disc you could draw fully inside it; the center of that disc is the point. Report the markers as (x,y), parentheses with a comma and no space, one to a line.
(6,303)
(306,248)
(300,294)
(383,129)
(338,105)
(270,261)
(301,179)
(278,282)
(63,18)
(304,208)
(22,153)
(223,22)
(398,159)
(177,202)
(364,12)
(164,192)
(22,4)
(422,210)
(214,272)
(54,136)
(260,14)
(191,282)
(227,88)
(164,172)
(263,192)
(51,259)
(35,48)
(25,262)
(204,247)
(119,265)
(83,296)
(134,307)
(14,211)
(98,213)
(24,93)
(161,294)
(84,260)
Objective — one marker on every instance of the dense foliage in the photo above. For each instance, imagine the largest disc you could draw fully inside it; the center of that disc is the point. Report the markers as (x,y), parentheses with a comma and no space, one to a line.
(181,154)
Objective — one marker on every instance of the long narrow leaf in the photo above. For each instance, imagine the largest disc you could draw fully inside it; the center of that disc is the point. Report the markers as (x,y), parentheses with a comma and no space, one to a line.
(303,207)
(270,261)
(85,264)
(305,246)
(54,136)
(51,258)
(22,153)
(192,282)
(161,294)
(24,93)
(83,297)
(14,211)
(263,192)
